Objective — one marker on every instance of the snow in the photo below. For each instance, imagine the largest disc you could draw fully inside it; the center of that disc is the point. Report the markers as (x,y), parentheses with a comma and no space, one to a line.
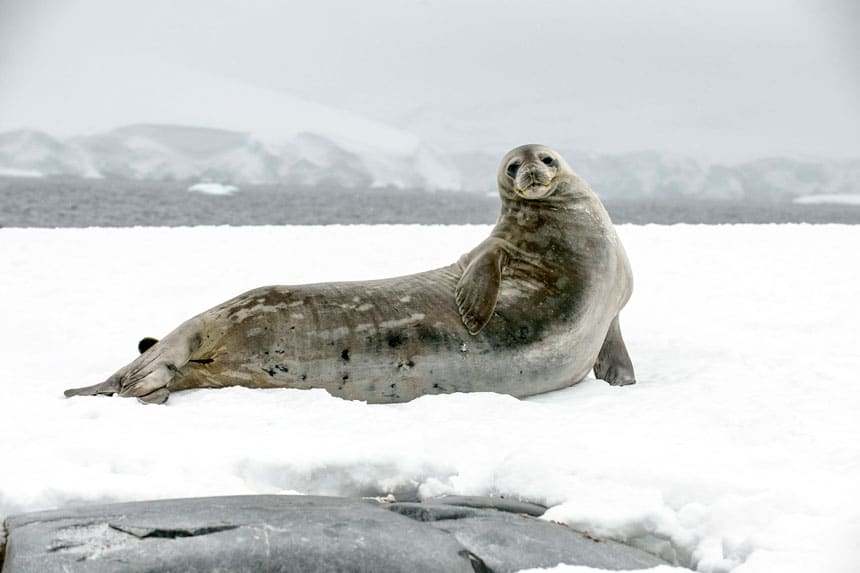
(736,451)
(837,199)
(213,188)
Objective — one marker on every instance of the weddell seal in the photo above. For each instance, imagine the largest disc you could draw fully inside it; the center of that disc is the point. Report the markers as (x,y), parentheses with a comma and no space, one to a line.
(533,308)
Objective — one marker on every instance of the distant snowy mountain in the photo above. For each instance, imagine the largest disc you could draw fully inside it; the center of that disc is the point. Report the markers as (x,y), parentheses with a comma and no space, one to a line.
(174,152)
(177,123)
(656,175)
(40,154)
(181,153)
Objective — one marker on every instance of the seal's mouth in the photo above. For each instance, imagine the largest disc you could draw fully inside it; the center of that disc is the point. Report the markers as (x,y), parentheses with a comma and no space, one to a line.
(534,189)
(533,180)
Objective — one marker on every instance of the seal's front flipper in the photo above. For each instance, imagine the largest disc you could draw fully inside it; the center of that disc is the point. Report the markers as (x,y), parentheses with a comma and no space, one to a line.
(613,363)
(107,388)
(478,289)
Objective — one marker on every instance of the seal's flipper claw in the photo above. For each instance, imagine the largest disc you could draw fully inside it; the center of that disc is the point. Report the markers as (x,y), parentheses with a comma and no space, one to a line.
(613,362)
(160,396)
(478,290)
(107,388)
(146,343)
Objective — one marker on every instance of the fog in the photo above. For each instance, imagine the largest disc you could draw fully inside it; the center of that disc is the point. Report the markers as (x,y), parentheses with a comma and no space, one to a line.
(724,81)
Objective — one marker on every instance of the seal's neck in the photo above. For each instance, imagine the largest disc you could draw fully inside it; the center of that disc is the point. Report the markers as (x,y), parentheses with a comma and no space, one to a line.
(572,209)
(558,208)
(527,214)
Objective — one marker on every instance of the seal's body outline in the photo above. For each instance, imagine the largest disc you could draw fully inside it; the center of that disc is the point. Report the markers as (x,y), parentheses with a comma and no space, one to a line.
(533,308)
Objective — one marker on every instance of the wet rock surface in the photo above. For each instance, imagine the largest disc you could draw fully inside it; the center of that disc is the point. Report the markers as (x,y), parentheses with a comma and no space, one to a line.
(304,533)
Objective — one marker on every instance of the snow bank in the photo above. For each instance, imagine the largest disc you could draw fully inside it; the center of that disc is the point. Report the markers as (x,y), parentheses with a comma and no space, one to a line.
(736,451)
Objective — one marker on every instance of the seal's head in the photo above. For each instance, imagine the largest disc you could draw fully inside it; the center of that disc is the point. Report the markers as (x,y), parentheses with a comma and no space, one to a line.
(535,172)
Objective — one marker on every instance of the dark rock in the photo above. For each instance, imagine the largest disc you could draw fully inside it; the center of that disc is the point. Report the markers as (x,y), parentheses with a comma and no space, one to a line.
(301,533)
(510,541)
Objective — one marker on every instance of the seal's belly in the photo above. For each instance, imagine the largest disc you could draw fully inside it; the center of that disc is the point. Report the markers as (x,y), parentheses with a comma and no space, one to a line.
(390,340)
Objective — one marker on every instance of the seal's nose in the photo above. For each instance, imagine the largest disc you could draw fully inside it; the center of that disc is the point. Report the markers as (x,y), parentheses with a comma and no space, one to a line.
(527,175)
(533,172)
(529,172)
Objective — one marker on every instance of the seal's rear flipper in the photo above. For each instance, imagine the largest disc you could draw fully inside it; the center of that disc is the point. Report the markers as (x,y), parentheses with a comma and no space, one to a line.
(107,388)
(613,362)
(146,343)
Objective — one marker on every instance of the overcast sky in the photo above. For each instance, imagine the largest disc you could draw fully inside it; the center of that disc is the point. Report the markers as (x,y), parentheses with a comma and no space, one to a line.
(723,80)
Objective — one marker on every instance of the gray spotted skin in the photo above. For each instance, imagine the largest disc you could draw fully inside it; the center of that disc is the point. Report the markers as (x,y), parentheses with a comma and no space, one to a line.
(531,309)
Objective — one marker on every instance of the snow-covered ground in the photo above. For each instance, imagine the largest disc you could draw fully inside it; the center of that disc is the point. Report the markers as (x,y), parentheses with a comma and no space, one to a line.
(736,451)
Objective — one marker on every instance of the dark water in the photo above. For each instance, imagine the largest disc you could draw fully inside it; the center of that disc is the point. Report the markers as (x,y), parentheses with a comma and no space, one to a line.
(55,202)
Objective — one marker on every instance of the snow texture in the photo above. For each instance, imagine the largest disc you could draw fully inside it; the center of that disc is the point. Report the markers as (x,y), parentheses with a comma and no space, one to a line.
(736,451)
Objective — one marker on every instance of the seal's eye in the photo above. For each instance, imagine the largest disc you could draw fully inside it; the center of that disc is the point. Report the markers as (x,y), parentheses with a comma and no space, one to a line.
(512,169)
(547,160)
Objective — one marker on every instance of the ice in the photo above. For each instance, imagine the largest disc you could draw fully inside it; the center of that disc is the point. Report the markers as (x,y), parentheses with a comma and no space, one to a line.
(736,451)
(831,198)
(213,188)
(13,172)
